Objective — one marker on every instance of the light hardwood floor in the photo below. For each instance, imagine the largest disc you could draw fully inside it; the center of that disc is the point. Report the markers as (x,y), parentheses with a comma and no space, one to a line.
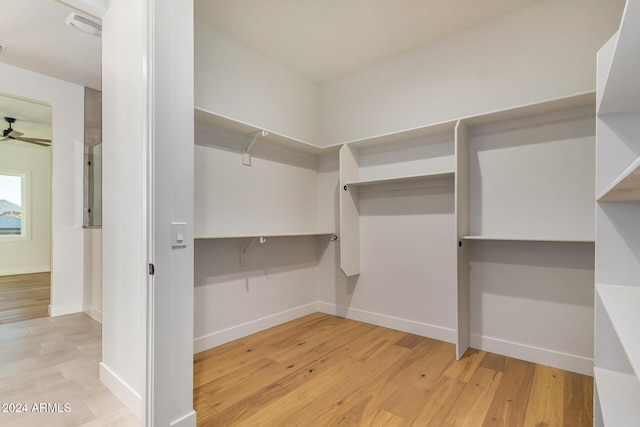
(323,370)
(24,296)
(54,360)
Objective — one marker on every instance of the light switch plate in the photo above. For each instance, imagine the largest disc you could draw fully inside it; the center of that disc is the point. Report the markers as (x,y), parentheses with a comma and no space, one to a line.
(178,235)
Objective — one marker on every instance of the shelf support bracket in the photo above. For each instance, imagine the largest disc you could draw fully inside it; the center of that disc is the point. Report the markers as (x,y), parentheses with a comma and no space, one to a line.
(246,154)
(244,249)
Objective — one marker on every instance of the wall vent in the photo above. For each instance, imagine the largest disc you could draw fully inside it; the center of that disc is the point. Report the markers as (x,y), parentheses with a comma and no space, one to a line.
(83,23)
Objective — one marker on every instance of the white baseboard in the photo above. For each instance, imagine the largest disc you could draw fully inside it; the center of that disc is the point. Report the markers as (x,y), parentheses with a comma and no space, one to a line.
(92,312)
(214,339)
(542,356)
(404,325)
(61,310)
(188,420)
(25,270)
(121,390)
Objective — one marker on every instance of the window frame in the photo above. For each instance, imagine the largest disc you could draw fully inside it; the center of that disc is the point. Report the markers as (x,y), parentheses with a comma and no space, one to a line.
(25,216)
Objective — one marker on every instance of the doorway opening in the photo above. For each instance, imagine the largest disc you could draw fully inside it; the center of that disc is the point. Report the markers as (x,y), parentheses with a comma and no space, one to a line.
(25,209)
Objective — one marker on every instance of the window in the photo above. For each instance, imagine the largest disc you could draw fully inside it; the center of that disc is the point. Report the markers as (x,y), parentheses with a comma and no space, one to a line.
(14,189)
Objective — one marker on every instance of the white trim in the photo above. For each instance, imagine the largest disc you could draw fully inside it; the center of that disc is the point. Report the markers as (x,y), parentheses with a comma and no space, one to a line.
(61,310)
(121,390)
(25,270)
(214,339)
(542,356)
(92,312)
(188,420)
(404,325)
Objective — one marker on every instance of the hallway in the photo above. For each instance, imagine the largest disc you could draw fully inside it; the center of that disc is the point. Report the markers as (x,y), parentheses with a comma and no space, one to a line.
(54,361)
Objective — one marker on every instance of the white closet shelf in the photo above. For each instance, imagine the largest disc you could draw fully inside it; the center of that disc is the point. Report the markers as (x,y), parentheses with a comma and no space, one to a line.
(626,187)
(584,99)
(530,239)
(419,132)
(621,304)
(251,235)
(619,396)
(365,182)
(203,116)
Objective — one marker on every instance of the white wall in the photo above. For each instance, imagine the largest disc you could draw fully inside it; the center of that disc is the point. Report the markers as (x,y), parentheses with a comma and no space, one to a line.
(67,102)
(278,284)
(172,121)
(92,291)
(233,81)
(148,184)
(544,51)
(284,191)
(534,301)
(124,264)
(32,255)
(407,262)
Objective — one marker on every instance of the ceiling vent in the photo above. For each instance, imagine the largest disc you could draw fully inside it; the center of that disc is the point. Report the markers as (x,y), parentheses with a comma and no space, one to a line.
(85,24)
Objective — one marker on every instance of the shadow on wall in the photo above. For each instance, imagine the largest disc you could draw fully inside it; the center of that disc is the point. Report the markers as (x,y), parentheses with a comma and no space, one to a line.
(218,260)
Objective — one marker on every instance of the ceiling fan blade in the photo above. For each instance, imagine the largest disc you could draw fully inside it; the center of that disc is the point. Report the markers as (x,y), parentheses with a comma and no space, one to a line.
(14,134)
(48,141)
(5,139)
(32,141)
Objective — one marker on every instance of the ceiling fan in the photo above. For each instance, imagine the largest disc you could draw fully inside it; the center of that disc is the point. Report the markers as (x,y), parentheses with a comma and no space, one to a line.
(11,133)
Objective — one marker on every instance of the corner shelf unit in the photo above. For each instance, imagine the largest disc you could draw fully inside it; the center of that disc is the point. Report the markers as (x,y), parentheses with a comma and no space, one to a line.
(423,157)
(617,315)
(447,154)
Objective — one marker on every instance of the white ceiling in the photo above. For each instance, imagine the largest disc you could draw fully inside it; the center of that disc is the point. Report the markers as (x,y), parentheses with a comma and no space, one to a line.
(325,39)
(318,39)
(38,39)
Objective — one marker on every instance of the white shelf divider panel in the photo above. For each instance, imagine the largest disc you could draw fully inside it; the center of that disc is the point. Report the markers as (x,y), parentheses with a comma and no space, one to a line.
(626,187)
(349,213)
(622,304)
(463,328)
(621,92)
(532,239)
(619,398)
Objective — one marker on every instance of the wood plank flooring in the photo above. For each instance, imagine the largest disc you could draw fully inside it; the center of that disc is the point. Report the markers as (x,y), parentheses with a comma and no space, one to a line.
(55,360)
(24,297)
(323,370)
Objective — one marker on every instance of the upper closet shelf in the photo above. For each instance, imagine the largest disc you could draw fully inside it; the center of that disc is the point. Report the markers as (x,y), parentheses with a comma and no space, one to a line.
(621,92)
(241,128)
(621,304)
(626,187)
(586,99)
(362,183)
(530,239)
(420,132)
